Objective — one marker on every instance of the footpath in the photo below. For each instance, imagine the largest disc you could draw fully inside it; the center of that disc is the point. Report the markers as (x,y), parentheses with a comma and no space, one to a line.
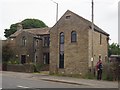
(61,79)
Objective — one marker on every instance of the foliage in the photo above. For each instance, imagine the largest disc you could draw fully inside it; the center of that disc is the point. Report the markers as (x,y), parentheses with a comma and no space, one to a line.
(27,24)
(107,75)
(37,67)
(32,23)
(90,76)
(114,49)
(7,53)
(10,31)
(110,71)
(13,61)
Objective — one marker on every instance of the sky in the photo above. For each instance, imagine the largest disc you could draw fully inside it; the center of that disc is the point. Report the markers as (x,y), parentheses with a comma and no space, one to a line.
(105,13)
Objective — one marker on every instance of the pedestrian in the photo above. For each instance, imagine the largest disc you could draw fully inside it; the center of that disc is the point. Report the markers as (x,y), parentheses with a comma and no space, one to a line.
(99,68)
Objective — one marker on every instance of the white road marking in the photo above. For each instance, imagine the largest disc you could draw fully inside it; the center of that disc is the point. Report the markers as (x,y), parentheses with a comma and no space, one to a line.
(23,87)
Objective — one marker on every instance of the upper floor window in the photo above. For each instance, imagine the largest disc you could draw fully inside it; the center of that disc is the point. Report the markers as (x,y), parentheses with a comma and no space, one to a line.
(61,38)
(37,42)
(46,41)
(24,41)
(73,36)
(100,39)
(107,39)
(68,17)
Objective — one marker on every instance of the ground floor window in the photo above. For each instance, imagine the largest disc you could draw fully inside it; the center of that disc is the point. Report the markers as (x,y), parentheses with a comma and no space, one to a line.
(61,60)
(46,58)
(23,59)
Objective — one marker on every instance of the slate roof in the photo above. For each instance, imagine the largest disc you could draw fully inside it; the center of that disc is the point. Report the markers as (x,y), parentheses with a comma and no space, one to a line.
(36,31)
(15,34)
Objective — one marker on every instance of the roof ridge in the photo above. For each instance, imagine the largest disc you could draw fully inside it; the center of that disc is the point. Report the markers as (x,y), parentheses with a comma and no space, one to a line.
(32,31)
(38,28)
(89,23)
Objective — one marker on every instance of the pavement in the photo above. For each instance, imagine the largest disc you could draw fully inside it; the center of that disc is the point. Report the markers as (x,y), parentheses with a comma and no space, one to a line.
(69,80)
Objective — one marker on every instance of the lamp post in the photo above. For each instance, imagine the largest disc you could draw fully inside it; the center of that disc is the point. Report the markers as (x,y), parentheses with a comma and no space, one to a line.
(56,10)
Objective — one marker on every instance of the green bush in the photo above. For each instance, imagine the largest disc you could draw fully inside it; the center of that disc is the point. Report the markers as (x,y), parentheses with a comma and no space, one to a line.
(13,61)
(37,67)
(107,76)
(90,76)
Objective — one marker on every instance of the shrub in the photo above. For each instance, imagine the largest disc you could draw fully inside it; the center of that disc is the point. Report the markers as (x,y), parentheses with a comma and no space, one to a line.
(37,67)
(13,61)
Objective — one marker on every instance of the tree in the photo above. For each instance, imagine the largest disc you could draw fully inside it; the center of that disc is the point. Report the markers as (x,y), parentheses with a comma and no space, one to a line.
(7,53)
(114,49)
(13,29)
(33,23)
(27,24)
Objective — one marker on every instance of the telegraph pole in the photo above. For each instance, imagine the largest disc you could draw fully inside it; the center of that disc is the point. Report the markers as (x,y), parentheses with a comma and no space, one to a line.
(92,25)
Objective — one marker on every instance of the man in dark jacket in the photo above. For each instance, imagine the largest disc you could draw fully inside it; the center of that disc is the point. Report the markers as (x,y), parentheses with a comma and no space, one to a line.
(99,67)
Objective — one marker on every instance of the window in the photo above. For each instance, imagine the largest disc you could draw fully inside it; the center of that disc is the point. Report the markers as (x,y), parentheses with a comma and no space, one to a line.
(100,57)
(100,39)
(46,41)
(35,56)
(62,38)
(61,51)
(61,61)
(73,36)
(46,58)
(24,41)
(37,42)
(107,39)
(68,17)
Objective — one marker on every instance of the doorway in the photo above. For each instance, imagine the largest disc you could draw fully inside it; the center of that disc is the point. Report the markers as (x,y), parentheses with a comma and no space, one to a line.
(23,59)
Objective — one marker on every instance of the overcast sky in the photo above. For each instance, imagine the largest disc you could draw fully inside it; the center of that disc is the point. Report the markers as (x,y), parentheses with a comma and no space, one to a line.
(105,13)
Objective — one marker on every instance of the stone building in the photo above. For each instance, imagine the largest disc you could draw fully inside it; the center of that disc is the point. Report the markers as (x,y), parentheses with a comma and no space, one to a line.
(72,45)
(30,45)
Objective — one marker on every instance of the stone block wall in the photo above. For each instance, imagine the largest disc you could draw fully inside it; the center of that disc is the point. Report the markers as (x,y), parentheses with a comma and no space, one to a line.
(75,54)
(21,68)
(98,49)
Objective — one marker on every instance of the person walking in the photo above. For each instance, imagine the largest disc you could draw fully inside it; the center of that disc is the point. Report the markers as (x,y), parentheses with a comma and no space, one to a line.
(99,68)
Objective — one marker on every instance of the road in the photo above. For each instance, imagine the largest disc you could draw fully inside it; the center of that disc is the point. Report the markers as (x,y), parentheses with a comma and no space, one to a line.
(16,82)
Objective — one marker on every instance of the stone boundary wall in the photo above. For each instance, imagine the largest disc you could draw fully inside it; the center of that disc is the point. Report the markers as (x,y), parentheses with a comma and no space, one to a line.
(21,68)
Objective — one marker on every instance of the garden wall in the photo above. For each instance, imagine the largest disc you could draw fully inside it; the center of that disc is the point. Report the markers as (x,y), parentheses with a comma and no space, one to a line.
(28,68)
(21,68)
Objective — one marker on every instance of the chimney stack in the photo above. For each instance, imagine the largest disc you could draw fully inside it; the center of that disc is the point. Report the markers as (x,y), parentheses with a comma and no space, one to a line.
(19,27)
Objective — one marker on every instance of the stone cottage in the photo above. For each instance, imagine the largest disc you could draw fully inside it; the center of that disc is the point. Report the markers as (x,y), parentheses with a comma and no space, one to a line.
(30,45)
(71,45)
